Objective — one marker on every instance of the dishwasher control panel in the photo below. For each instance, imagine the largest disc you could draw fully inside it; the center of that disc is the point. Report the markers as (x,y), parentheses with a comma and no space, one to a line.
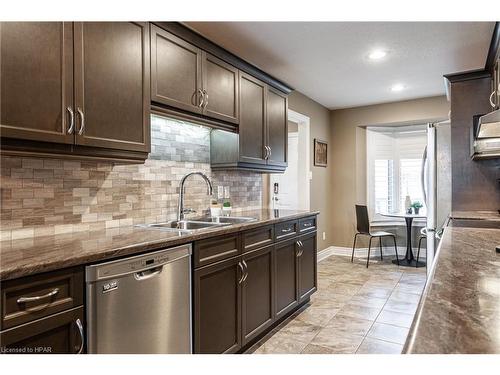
(136,263)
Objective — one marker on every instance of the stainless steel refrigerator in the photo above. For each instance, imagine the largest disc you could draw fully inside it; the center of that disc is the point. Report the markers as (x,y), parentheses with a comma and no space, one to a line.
(436,184)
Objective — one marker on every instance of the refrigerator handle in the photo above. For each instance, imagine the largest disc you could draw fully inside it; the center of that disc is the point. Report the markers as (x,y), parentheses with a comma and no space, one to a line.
(422,174)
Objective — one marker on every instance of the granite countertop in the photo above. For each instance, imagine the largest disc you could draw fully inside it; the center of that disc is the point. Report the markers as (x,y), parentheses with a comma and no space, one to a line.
(476,215)
(459,311)
(35,255)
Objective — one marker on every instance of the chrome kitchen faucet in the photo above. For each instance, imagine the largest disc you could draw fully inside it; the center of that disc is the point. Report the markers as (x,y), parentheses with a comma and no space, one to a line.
(180,209)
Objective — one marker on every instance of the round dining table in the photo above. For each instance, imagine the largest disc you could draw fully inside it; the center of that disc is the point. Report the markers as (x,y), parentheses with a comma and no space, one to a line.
(409,260)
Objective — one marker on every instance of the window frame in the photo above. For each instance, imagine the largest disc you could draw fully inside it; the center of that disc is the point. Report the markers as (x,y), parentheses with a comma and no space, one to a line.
(396,156)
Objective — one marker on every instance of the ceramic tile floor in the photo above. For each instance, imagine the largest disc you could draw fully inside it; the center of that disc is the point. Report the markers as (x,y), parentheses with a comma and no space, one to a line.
(355,310)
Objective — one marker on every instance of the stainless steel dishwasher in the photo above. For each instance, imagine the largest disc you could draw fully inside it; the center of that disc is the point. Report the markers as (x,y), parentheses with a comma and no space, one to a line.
(140,304)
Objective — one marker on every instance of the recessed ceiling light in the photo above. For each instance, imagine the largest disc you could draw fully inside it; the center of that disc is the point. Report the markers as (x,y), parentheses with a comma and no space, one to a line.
(397,87)
(377,54)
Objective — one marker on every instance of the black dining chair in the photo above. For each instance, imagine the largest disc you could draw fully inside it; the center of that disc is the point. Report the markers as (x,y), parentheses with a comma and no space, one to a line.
(363,227)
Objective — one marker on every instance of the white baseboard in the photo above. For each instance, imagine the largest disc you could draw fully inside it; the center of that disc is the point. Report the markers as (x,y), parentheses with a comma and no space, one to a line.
(325,253)
(363,252)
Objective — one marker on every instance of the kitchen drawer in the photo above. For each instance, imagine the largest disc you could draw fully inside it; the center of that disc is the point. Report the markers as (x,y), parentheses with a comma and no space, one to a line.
(257,238)
(215,249)
(60,333)
(307,224)
(286,230)
(34,297)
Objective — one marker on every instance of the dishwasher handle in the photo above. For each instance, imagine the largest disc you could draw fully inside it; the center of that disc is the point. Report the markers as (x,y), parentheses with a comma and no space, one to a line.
(148,274)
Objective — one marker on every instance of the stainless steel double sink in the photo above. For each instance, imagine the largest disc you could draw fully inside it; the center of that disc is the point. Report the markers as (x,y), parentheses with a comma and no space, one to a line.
(188,226)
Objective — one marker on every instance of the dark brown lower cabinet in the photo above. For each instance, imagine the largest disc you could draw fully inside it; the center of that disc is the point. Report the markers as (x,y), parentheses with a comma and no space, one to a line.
(307,266)
(286,274)
(217,307)
(56,334)
(239,299)
(257,293)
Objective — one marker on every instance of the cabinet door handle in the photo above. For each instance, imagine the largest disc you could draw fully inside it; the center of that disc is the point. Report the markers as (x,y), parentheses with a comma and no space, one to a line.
(246,271)
(205,95)
(270,152)
(266,153)
(491,99)
(79,324)
(201,98)
(52,293)
(286,230)
(82,121)
(71,120)
(307,225)
(242,273)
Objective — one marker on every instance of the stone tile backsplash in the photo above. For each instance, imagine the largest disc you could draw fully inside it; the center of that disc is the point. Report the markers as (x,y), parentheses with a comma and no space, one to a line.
(49,196)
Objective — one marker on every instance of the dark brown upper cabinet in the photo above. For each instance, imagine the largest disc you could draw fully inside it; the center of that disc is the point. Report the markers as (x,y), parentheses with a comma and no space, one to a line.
(76,88)
(175,72)
(36,77)
(261,142)
(112,85)
(220,89)
(252,130)
(186,78)
(277,127)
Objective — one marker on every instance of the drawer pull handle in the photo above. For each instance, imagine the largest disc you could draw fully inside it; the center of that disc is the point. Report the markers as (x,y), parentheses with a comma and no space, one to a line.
(299,250)
(286,230)
(246,271)
(242,268)
(307,225)
(79,324)
(52,293)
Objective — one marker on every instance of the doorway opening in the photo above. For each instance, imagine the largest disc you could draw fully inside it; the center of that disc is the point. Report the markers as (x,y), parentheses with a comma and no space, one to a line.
(291,189)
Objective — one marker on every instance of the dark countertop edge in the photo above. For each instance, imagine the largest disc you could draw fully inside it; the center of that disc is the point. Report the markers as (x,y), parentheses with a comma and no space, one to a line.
(143,247)
(412,333)
(475,215)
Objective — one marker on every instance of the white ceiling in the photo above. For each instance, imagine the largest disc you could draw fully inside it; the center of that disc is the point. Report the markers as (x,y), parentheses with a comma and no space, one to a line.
(328,62)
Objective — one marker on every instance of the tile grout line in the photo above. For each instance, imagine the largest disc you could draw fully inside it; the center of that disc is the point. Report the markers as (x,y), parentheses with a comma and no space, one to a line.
(392,291)
(368,331)
(322,329)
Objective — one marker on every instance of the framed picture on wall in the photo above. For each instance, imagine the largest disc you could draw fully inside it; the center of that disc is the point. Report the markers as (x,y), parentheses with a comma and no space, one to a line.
(320,153)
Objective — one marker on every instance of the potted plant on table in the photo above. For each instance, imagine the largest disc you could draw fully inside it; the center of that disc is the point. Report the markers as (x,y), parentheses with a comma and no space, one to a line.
(416,207)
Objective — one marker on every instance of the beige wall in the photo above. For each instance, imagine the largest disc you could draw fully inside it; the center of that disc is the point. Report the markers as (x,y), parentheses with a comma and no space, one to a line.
(321,177)
(347,148)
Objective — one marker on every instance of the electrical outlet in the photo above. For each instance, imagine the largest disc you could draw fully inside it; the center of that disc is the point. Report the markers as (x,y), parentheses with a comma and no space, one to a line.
(220,192)
(324,236)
